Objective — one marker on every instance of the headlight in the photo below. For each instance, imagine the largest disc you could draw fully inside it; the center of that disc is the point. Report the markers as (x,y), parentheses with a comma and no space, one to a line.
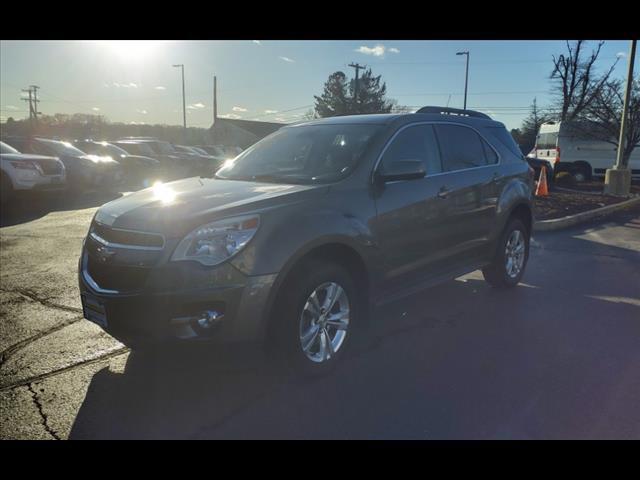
(216,242)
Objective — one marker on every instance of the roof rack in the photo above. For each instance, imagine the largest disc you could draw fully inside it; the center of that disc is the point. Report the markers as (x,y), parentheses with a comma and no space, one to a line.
(453,111)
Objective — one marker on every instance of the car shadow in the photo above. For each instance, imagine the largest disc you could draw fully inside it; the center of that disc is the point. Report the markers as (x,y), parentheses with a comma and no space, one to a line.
(26,207)
(460,360)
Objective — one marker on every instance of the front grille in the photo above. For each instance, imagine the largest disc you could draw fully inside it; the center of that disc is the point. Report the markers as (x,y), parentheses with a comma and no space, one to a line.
(50,167)
(116,277)
(127,237)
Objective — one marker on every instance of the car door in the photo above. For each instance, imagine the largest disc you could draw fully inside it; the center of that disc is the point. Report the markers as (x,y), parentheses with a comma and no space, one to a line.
(470,184)
(410,225)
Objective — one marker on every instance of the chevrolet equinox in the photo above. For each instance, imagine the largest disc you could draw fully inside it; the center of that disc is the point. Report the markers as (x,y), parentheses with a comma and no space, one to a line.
(293,242)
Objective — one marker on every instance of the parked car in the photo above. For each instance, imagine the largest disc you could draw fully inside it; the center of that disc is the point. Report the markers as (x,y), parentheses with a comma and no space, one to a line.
(570,148)
(26,172)
(173,166)
(214,150)
(82,171)
(184,164)
(295,241)
(138,169)
(208,162)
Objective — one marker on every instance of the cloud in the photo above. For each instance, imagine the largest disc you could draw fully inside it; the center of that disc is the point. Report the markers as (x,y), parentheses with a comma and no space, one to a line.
(95,109)
(280,119)
(239,109)
(287,59)
(10,107)
(621,55)
(257,42)
(195,106)
(125,85)
(230,115)
(143,112)
(394,50)
(271,111)
(160,87)
(377,51)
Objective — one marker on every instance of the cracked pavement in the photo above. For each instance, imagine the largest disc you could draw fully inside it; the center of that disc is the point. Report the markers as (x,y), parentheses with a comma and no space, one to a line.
(556,357)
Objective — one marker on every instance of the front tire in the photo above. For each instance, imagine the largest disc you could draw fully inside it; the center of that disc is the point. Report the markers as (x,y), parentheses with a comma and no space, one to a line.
(510,260)
(314,318)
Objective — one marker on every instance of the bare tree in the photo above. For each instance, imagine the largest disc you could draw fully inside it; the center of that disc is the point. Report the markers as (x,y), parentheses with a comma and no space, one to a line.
(576,81)
(602,119)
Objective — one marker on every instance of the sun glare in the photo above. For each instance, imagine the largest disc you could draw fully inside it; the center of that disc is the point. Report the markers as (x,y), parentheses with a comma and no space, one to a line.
(132,50)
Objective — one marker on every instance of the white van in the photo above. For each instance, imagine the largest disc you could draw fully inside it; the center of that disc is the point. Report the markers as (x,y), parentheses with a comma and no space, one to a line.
(569,149)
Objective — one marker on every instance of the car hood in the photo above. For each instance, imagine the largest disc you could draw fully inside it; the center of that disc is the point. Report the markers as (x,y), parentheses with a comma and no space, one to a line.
(175,208)
(26,156)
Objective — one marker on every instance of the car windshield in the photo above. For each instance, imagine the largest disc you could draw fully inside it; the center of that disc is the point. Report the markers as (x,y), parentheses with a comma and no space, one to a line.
(164,148)
(61,148)
(138,148)
(302,154)
(4,148)
(104,148)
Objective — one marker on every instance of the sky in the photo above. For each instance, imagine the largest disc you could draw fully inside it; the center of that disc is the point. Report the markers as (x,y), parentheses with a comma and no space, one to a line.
(274,80)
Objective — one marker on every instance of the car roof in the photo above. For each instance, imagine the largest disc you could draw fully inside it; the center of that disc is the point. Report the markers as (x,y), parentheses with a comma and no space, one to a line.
(401,118)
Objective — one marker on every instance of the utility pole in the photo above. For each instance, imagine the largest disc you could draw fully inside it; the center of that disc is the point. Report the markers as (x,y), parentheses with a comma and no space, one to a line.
(35,102)
(30,100)
(617,180)
(357,66)
(466,75)
(184,104)
(215,99)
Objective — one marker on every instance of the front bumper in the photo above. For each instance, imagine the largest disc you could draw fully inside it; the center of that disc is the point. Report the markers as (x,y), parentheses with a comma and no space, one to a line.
(36,181)
(157,314)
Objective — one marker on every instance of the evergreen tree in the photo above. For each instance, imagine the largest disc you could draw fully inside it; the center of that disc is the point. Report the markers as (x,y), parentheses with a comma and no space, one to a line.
(338,96)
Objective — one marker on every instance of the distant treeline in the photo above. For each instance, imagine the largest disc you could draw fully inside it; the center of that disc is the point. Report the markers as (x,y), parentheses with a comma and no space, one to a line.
(84,126)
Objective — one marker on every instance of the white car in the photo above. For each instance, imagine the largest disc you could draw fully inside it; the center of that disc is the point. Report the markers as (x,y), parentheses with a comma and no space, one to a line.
(569,149)
(21,171)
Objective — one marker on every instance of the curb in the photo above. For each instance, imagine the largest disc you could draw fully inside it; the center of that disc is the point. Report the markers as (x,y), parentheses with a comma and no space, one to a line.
(564,222)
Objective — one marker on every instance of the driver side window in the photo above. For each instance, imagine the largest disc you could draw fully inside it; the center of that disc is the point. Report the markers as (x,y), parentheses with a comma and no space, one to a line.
(414,143)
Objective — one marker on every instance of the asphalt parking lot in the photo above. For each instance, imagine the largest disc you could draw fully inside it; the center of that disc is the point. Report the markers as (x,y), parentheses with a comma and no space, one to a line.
(557,357)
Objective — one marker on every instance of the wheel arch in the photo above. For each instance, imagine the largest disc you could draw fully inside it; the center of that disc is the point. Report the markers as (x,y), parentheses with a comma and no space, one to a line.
(338,250)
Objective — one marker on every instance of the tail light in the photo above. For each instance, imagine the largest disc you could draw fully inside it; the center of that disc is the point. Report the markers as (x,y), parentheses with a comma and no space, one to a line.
(557,155)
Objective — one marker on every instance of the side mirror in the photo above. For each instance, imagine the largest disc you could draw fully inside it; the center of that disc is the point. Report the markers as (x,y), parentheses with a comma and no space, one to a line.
(402,170)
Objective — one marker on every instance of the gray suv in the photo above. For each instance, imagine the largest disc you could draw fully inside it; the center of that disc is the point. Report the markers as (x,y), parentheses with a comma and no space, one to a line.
(294,241)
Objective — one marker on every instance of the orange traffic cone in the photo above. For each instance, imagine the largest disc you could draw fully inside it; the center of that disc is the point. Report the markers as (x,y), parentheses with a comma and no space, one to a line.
(542,190)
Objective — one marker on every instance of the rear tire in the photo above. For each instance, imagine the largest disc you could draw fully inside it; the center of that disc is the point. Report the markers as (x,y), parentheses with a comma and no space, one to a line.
(510,260)
(314,318)
(581,172)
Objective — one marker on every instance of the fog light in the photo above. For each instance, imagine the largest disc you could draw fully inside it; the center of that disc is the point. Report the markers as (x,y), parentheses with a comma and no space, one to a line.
(208,318)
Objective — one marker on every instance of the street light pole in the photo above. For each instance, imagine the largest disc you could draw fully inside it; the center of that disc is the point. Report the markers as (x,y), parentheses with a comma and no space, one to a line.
(184,104)
(617,180)
(466,75)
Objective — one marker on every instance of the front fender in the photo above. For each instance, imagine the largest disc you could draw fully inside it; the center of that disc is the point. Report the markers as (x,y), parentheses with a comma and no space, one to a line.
(288,236)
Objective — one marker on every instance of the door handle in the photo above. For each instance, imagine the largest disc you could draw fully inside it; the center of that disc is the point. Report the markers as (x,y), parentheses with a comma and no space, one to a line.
(443,192)
(497,177)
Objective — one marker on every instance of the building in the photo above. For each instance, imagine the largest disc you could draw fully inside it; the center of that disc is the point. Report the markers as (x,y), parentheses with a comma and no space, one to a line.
(240,133)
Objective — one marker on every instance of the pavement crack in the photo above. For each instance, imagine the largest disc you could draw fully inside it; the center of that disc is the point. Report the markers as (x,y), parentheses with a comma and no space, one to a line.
(11,350)
(37,378)
(43,416)
(43,301)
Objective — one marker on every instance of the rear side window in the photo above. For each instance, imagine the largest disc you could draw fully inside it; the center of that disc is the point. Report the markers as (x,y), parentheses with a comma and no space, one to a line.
(461,148)
(504,137)
(415,143)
